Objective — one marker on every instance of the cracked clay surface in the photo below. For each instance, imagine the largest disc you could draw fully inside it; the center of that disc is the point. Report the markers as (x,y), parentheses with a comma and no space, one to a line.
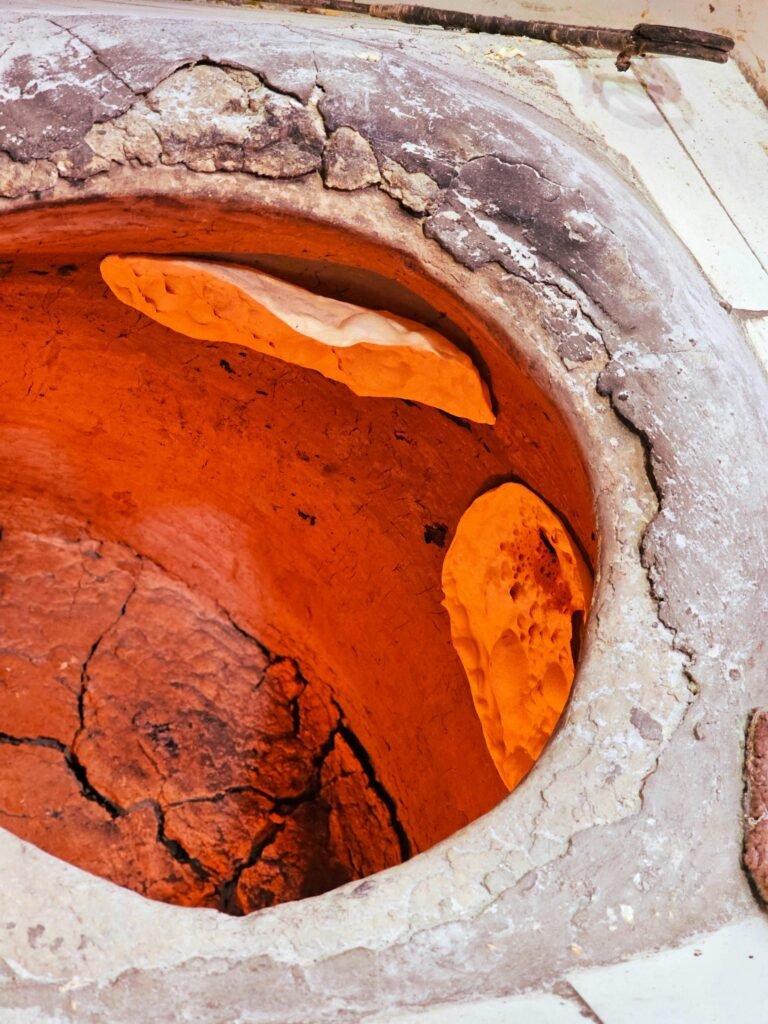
(147,739)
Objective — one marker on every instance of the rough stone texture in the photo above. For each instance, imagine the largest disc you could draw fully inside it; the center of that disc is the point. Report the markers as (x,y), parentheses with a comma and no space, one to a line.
(349,162)
(756,803)
(211,119)
(47,70)
(262,48)
(146,739)
(21,179)
(128,138)
(416,191)
(673,440)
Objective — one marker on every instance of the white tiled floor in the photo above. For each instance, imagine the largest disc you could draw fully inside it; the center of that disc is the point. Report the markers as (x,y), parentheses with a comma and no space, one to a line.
(536,1009)
(723,127)
(717,979)
(757,332)
(720,979)
(696,136)
(692,196)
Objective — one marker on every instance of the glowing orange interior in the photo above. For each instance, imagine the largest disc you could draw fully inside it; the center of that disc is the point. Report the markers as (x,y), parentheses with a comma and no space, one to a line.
(228,678)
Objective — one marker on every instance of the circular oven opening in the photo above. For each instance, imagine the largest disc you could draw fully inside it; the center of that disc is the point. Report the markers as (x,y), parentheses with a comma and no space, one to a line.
(228,674)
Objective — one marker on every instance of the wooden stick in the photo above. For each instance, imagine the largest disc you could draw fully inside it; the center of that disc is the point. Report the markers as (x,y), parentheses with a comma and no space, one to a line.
(669,40)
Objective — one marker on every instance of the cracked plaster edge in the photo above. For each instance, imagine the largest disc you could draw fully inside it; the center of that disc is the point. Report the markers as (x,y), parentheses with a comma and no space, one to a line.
(480,64)
(462,54)
(14,204)
(476,53)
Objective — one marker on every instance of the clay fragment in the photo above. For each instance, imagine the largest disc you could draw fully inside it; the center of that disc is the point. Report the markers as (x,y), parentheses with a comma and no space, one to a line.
(756,803)
(416,191)
(349,162)
(375,354)
(516,590)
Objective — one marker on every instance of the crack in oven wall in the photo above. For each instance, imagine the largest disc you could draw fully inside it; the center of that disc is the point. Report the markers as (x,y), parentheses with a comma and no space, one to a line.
(172,753)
